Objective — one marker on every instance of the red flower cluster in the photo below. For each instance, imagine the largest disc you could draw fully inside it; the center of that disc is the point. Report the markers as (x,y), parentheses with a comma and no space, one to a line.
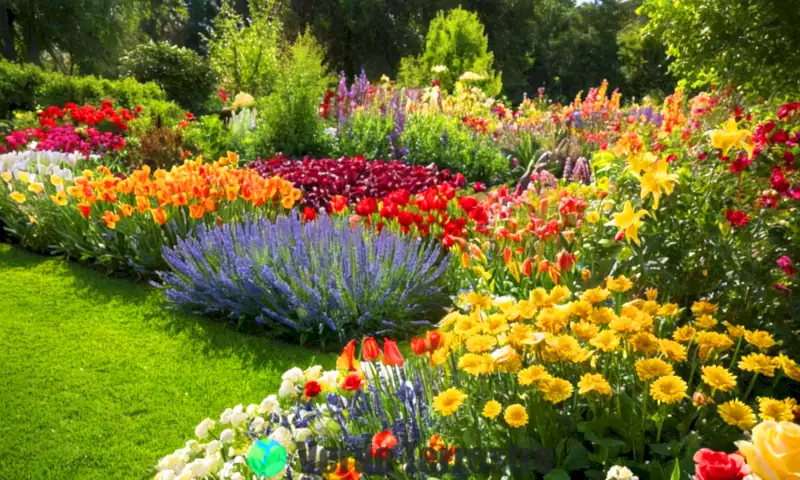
(88,115)
(325,106)
(737,218)
(711,465)
(353,178)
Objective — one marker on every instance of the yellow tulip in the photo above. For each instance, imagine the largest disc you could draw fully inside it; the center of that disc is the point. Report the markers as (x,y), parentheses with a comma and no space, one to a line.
(774,450)
(6,176)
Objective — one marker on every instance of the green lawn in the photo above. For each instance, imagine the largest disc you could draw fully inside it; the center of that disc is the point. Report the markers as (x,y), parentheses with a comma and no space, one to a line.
(98,381)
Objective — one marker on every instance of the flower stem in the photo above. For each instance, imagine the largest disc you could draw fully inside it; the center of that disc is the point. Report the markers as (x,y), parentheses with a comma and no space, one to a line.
(750,388)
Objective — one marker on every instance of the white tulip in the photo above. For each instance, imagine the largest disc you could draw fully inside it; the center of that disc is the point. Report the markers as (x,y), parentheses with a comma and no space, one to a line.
(295,375)
(213,447)
(287,389)
(313,373)
(283,436)
(268,404)
(301,434)
(227,436)
(251,409)
(329,379)
(165,475)
(201,431)
(257,423)
(225,418)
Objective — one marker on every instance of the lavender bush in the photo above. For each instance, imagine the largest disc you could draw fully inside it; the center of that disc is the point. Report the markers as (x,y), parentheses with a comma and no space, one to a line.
(308,279)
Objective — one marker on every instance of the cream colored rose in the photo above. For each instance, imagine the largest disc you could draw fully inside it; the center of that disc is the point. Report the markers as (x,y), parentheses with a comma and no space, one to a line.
(774,450)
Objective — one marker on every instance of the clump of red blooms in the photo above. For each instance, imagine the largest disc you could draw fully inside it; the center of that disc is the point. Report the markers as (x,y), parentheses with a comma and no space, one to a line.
(86,129)
(354,178)
(711,465)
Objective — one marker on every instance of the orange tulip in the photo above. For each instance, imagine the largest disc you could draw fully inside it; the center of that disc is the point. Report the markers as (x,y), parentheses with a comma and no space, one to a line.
(370,350)
(391,355)
(347,360)
(158,215)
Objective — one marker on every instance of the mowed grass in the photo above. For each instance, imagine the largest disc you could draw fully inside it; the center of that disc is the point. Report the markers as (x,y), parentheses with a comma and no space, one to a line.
(97,381)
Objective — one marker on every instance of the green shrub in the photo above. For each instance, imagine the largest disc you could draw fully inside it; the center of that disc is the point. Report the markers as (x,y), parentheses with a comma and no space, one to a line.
(25,87)
(183,74)
(458,42)
(444,141)
(208,136)
(288,118)
(364,134)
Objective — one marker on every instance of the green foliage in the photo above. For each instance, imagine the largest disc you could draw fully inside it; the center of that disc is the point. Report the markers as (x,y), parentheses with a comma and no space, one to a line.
(182,73)
(289,119)
(444,141)
(643,62)
(25,87)
(458,42)
(208,136)
(364,134)
(244,54)
(120,363)
(751,45)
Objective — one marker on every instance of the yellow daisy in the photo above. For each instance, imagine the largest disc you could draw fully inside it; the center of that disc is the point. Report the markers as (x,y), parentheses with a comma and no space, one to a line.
(775,410)
(759,338)
(649,368)
(593,382)
(668,389)
(555,390)
(531,375)
(447,402)
(737,414)
(759,363)
(516,416)
(719,378)
(607,341)
(492,409)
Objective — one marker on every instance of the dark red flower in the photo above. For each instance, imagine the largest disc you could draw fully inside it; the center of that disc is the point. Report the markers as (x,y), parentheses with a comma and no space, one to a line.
(467,203)
(741,162)
(312,389)
(785,264)
(479,187)
(309,214)
(383,443)
(711,465)
(565,260)
(778,181)
(769,201)
(780,137)
(737,218)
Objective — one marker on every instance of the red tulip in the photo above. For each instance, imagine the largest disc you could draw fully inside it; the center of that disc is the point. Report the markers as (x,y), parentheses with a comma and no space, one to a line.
(419,346)
(312,389)
(352,381)
(370,350)
(565,260)
(382,443)
(391,355)
(434,339)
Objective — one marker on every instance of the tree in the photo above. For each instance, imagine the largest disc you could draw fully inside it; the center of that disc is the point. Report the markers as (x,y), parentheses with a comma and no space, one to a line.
(750,44)
(458,42)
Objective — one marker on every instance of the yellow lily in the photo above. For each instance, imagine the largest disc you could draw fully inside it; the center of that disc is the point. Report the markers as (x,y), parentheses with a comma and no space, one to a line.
(629,222)
(730,136)
(641,162)
(656,179)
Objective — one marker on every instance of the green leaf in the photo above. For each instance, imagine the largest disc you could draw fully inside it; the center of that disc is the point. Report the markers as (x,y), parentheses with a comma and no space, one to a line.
(557,474)
(676,472)
(577,458)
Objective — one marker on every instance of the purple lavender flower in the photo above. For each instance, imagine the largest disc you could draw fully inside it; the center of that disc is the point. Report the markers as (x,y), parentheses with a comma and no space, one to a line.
(307,279)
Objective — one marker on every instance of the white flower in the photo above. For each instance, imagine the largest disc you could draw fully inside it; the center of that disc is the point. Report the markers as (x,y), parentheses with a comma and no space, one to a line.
(238,416)
(193,445)
(268,404)
(199,468)
(227,436)
(287,388)
(201,431)
(237,476)
(242,100)
(329,380)
(185,475)
(313,373)
(165,475)
(251,409)
(213,447)
(257,423)
(225,418)
(174,461)
(620,473)
(294,375)
(283,436)
(301,434)
(470,77)
(330,131)
(439,69)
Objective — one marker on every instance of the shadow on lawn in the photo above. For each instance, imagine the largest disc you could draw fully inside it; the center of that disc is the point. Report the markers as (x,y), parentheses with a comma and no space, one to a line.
(214,338)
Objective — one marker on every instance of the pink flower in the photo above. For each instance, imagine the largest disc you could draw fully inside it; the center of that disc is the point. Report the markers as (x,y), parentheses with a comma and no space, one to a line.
(785,264)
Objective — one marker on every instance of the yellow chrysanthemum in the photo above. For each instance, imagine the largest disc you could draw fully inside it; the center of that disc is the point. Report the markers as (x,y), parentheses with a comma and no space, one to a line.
(475,364)
(593,382)
(516,416)
(719,378)
(789,367)
(623,324)
(705,322)
(759,363)
(651,293)
(606,341)
(584,330)
(467,325)
(668,309)
(668,389)
(480,343)
(558,294)
(759,338)
(672,350)
(595,295)
(581,309)
(538,297)
(602,316)
(703,308)
(684,334)
(734,331)
(492,409)
(531,375)
(522,335)
(475,299)
(644,342)
(649,368)
(718,341)
(619,284)
(495,324)
(552,320)
(447,402)
(737,414)
(555,390)
(775,410)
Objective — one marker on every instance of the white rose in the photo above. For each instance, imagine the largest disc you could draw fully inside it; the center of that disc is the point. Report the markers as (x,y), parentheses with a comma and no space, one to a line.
(313,373)
(227,436)
(620,473)
(301,434)
(268,404)
(294,375)
(287,389)
(201,431)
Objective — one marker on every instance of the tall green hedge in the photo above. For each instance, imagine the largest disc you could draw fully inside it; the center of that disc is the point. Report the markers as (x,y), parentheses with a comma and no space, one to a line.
(26,86)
